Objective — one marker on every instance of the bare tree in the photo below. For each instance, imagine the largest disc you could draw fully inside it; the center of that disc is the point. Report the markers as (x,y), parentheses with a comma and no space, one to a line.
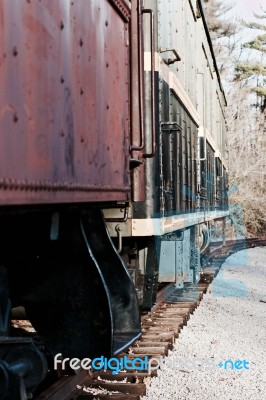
(247,147)
(245,124)
(223,31)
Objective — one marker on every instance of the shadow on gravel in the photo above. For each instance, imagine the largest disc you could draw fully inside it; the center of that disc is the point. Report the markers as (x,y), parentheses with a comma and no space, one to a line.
(223,287)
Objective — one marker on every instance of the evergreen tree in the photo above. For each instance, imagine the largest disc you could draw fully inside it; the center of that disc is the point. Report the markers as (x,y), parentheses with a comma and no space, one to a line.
(219,25)
(254,72)
(245,125)
(222,30)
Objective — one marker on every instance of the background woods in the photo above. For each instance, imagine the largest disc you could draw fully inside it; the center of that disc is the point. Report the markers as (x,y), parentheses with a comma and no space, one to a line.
(240,47)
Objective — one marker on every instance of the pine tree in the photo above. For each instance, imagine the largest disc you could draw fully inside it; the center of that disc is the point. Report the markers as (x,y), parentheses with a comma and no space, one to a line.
(254,72)
(222,30)
(219,25)
(245,125)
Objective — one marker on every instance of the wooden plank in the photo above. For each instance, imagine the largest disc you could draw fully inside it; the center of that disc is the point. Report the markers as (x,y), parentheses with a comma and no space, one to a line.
(165,309)
(149,355)
(63,388)
(129,388)
(131,377)
(162,324)
(148,350)
(164,336)
(115,396)
(139,344)
(191,305)
(158,329)
(170,320)
(172,314)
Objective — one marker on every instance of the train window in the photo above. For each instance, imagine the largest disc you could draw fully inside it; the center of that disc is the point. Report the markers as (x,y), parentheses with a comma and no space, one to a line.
(202,147)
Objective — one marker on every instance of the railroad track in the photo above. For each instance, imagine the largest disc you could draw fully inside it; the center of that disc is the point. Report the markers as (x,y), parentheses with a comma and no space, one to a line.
(160,328)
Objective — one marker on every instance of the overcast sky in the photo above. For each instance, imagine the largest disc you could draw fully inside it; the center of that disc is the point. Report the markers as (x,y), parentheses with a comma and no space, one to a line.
(244,8)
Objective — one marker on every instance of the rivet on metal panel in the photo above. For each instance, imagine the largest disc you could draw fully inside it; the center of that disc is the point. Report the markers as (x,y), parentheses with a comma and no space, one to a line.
(3,184)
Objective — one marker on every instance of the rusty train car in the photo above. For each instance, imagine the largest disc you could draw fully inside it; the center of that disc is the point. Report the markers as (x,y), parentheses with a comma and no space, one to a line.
(113,171)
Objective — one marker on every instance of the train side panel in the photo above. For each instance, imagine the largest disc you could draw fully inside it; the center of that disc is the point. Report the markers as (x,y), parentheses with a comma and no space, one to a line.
(64,101)
(185,178)
(189,113)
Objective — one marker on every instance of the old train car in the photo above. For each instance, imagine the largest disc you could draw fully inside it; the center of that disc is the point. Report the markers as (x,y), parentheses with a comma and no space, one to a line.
(64,144)
(183,160)
(112,171)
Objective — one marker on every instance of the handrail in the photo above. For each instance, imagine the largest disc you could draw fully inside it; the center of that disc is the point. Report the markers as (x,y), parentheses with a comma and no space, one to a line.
(140,146)
(152,153)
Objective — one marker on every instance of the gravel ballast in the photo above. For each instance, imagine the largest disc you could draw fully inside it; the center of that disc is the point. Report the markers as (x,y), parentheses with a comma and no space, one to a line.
(220,354)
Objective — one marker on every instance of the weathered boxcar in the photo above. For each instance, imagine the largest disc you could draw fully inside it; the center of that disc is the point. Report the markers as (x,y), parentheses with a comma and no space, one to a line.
(64,155)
